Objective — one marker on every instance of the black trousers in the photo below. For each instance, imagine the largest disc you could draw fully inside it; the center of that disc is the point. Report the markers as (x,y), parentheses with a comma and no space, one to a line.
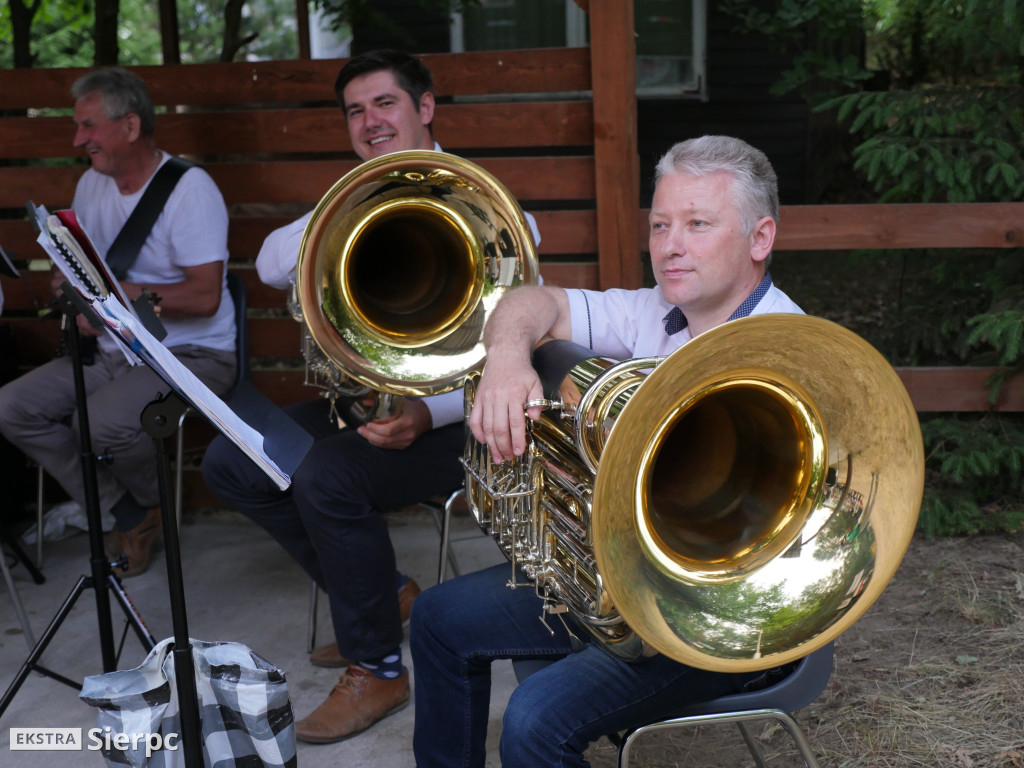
(329,519)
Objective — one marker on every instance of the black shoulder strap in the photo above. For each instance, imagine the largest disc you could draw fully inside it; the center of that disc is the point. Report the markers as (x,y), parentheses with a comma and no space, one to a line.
(133,234)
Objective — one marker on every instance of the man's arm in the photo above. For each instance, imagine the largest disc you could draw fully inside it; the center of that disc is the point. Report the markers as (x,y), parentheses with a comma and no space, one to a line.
(521,319)
(198,295)
(279,254)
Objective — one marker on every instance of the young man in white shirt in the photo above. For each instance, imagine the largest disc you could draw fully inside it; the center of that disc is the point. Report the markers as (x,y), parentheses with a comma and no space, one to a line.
(329,520)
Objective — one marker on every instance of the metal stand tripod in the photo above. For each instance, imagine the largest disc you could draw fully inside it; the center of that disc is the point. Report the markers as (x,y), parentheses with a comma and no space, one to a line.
(101,579)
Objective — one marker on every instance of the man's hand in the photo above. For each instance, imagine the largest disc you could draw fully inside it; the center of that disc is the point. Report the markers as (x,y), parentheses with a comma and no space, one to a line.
(399,431)
(499,418)
(85,328)
(57,280)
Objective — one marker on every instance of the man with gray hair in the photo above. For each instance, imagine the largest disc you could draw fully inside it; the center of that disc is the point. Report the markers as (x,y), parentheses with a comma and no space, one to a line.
(712,226)
(181,261)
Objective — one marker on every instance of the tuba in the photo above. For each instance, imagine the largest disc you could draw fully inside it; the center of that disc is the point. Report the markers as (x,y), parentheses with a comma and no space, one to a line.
(735,505)
(399,266)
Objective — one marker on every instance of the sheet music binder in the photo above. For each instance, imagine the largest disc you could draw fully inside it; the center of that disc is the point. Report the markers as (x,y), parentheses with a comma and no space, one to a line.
(70,248)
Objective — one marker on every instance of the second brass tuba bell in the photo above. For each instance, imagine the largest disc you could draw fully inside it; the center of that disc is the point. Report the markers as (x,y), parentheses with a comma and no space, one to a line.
(735,505)
(399,266)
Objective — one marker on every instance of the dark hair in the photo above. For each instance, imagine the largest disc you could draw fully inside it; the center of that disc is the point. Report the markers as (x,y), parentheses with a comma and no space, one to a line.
(121,93)
(756,182)
(412,74)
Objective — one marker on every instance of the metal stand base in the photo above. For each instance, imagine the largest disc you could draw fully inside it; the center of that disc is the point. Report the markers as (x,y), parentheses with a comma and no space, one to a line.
(101,579)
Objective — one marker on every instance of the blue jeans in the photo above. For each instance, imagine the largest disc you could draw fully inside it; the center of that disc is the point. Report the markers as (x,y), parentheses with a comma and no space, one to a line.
(461,626)
(329,519)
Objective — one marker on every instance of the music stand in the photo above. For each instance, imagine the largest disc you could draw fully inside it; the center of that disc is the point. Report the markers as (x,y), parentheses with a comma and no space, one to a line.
(101,578)
(277,451)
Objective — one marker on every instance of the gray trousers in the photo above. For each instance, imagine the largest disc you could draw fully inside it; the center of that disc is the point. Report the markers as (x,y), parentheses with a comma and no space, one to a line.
(38,415)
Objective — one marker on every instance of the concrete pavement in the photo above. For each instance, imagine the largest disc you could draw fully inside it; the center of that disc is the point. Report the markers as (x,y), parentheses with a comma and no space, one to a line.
(239,586)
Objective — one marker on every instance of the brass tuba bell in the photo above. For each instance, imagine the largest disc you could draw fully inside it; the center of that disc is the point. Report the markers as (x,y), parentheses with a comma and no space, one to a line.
(399,266)
(735,508)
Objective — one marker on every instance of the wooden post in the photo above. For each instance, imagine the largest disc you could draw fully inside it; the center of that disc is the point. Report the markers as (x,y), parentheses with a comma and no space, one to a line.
(617,161)
(170,45)
(302,24)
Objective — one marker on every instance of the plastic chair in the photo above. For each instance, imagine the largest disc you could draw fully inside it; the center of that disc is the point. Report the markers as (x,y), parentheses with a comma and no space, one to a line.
(798,689)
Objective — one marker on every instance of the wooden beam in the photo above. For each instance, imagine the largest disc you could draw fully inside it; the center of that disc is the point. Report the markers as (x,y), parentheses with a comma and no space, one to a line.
(959,389)
(314,129)
(891,225)
(908,225)
(302,24)
(483,73)
(617,163)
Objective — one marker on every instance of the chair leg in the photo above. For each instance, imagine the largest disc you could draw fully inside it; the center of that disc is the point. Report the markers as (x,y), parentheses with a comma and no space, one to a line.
(799,738)
(447,557)
(19,609)
(39,516)
(314,596)
(752,745)
(784,718)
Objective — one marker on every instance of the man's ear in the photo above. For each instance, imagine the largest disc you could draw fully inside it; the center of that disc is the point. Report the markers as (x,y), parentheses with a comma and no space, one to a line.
(762,239)
(133,127)
(426,108)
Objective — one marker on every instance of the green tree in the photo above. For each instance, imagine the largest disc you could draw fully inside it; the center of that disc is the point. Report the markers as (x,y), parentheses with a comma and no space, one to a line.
(344,13)
(52,33)
(934,103)
(39,31)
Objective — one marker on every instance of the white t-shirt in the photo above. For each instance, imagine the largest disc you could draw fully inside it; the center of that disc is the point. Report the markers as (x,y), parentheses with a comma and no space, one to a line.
(622,324)
(192,229)
(276,264)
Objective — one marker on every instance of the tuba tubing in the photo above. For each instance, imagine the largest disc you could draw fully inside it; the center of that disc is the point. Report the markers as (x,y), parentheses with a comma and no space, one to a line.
(735,505)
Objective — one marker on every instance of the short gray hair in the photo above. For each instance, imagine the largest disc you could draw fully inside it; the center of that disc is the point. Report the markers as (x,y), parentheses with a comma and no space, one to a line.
(121,93)
(756,182)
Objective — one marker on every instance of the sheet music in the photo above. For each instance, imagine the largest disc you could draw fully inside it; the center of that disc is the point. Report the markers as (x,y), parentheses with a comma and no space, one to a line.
(71,249)
(69,257)
(141,342)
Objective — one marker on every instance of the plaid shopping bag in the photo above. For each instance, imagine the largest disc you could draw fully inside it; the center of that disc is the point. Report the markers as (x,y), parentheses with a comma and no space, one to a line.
(244,710)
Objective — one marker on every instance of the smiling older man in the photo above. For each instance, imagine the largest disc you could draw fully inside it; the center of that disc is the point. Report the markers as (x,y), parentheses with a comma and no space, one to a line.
(182,260)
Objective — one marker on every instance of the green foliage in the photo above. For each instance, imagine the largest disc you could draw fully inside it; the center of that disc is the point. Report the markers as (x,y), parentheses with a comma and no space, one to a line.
(934,102)
(974,480)
(958,42)
(344,13)
(939,143)
(61,33)
(817,71)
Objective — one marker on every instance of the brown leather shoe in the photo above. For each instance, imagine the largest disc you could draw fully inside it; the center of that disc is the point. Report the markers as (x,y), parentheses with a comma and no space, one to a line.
(358,701)
(138,543)
(330,656)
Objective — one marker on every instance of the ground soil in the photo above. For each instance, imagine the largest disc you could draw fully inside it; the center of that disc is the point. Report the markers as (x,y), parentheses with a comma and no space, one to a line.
(932,675)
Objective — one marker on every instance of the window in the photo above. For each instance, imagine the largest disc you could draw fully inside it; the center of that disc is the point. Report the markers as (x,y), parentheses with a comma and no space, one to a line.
(670,46)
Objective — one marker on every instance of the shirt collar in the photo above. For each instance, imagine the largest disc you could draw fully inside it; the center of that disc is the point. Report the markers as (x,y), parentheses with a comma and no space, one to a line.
(675,320)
